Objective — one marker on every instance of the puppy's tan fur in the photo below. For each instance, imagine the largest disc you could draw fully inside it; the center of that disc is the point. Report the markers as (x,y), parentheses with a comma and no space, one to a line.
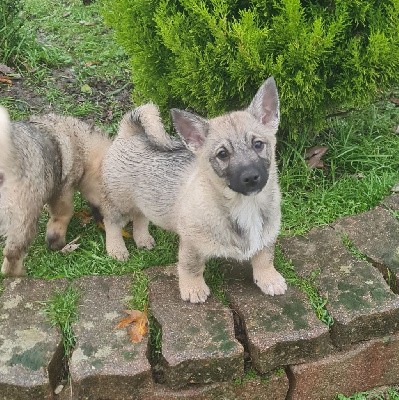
(217,188)
(44,161)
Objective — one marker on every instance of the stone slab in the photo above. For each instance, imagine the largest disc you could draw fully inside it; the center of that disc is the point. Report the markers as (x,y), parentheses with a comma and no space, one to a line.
(365,366)
(198,340)
(31,351)
(280,330)
(376,234)
(274,386)
(359,300)
(105,364)
(392,202)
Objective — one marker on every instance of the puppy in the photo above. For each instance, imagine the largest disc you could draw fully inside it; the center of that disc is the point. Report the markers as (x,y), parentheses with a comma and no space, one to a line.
(216,187)
(44,161)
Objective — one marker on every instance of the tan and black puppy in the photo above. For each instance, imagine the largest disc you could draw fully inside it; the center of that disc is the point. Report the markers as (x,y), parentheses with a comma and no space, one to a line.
(217,188)
(44,161)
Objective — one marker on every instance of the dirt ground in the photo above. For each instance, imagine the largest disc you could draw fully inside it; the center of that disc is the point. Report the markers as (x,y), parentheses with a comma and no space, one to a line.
(110,102)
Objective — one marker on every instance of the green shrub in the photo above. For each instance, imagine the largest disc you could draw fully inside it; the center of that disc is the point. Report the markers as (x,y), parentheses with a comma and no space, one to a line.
(212,55)
(10,25)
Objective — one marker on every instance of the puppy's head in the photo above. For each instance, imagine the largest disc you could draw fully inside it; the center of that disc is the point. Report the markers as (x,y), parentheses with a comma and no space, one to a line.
(238,146)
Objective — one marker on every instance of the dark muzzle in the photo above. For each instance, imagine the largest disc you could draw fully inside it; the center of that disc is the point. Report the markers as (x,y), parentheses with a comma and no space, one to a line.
(250,179)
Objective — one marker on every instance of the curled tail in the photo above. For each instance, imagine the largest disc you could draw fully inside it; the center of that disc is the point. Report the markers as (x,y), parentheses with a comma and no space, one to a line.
(5,129)
(145,119)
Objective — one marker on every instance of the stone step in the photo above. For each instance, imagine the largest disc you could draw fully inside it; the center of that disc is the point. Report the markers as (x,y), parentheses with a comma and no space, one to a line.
(31,350)
(280,330)
(105,364)
(198,340)
(376,234)
(363,367)
(391,202)
(274,386)
(359,300)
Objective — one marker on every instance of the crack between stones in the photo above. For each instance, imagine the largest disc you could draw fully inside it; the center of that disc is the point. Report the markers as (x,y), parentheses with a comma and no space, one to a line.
(291,383)
(240,333)
(154,350)
(59,375)
(386,272)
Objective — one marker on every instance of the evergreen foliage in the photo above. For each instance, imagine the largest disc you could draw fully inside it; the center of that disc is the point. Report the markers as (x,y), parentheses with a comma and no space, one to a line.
(212,55)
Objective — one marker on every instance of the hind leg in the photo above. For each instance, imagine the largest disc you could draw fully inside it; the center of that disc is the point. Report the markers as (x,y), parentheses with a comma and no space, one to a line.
(141,236)
(19,237)
(61,212)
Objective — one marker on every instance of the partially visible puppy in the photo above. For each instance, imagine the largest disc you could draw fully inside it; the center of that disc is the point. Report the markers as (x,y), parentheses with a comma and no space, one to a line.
(44,161)
(216,187)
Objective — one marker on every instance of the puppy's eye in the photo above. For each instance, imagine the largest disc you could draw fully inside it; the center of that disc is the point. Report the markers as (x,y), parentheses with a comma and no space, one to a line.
(222,154)
(258,145)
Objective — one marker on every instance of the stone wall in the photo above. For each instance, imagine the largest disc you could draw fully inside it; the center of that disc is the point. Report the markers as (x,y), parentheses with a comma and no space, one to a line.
(254,347)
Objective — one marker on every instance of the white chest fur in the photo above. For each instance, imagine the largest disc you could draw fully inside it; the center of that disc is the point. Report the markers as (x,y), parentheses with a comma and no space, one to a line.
(246,214)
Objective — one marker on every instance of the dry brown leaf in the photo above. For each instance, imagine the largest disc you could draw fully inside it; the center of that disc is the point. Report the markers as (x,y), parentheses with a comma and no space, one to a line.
(133,316)
(84,216)
(313,156)
(6,80)
(137,331)
(71,246)
(126,234)
(136,323)
(394,100)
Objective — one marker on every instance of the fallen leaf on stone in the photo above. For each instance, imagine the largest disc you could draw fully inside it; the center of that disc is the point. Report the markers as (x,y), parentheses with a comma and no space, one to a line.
(395,189)
(313,156)
(136,324)
(5,80)
(396,130)
(71,246)
(125,233)
(84,216)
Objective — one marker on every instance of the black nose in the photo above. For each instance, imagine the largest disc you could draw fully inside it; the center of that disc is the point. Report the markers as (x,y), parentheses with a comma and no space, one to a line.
(250,179)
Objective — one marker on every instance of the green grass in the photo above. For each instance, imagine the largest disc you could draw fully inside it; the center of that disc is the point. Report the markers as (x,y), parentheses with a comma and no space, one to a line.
(61,312)
(352,248)
(377,394)
(306,285)
(362,164)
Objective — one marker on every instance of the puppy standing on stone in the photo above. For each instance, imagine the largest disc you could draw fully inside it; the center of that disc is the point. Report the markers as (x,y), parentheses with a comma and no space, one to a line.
(44,161)
(217,188)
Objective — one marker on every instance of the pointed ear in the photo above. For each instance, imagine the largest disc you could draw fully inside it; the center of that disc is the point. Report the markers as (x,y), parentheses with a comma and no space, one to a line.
(265,105)
(191,127)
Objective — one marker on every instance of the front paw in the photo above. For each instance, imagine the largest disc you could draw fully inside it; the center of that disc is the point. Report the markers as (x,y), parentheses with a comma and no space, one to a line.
(270,282)
(14,268)
(193,289)
(146,242)
(118,252)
